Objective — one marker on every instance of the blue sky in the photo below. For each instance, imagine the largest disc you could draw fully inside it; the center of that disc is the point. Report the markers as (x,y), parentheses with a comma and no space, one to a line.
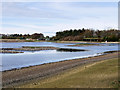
(50,17)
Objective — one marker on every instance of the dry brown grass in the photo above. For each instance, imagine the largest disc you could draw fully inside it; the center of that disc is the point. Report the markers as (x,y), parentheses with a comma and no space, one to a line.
(103,74)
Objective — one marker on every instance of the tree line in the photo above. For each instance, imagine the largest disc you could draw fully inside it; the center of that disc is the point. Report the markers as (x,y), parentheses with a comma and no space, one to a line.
(71,35)
(86,34)
(25,36)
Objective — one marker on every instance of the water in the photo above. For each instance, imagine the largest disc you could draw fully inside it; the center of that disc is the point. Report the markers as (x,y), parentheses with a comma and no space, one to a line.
(29,58)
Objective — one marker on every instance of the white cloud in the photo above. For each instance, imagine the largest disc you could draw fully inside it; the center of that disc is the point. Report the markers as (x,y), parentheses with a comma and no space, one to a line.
(58,16)
(77,24)
(60,1)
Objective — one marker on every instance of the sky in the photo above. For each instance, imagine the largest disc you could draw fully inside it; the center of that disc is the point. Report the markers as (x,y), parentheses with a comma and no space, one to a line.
(51,17)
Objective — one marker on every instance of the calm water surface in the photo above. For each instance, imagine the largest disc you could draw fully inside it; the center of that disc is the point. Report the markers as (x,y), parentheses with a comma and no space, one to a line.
(29,58)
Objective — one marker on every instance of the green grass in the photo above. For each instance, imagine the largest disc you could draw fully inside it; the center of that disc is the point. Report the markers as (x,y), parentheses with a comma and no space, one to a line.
(29,41)
(84,44)
(103,74)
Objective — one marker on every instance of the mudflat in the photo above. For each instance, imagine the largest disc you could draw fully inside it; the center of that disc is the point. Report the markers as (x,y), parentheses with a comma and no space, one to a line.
(20,76)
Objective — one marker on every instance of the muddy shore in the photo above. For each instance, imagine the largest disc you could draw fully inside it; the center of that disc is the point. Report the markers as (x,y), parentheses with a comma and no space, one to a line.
(20,40)
(15,77)
(6,51)
(84,44)
(81,42)
(33,40)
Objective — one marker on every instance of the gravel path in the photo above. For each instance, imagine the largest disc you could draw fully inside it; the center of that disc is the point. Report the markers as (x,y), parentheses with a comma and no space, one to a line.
(15,77)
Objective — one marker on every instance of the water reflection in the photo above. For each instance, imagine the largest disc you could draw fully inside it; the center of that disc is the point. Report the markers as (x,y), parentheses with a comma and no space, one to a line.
(28,58)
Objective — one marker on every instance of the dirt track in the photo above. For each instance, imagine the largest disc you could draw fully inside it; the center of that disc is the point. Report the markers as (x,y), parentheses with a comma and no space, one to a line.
(14,77)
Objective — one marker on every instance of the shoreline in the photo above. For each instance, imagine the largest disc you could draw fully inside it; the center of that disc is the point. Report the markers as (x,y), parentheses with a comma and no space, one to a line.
(99,54)
(26,74)
(82,42)
(80,74)
(55,62)
(18,40)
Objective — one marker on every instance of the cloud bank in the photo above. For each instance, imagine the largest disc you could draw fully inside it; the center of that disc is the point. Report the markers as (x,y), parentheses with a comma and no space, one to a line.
(49,17)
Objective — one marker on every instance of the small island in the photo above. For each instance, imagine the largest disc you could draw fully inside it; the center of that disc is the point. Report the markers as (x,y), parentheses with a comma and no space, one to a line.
(34,48)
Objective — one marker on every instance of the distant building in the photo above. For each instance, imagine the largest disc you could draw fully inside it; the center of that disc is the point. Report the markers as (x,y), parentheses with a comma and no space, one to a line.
(47,39)
(28,38)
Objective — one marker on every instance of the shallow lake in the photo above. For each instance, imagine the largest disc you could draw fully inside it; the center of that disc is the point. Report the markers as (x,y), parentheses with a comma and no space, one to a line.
(29,58)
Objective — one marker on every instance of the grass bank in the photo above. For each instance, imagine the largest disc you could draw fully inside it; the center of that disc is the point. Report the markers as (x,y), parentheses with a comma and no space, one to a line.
(80,42)
(34,40)
(85,44)
(20,40)
(102,74)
